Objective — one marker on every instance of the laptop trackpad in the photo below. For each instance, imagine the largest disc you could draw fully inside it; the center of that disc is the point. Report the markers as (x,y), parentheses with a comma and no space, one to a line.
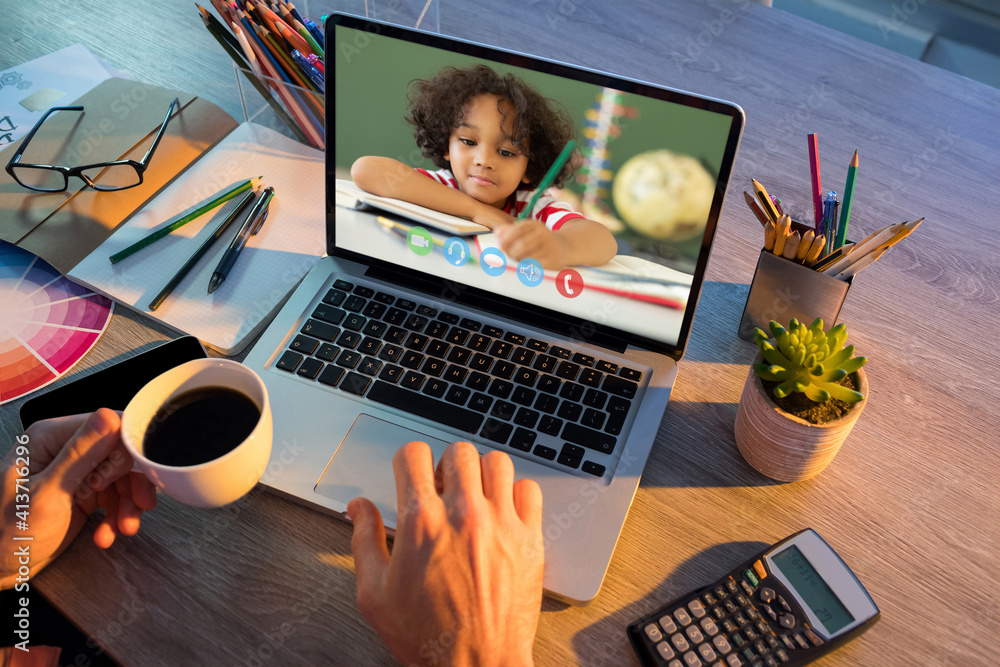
(362,465)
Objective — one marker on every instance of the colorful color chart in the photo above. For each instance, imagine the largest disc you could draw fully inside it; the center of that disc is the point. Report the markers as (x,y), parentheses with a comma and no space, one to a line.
(47,322)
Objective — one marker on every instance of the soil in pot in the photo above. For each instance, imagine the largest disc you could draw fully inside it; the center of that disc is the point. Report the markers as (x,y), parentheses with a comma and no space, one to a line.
(797,404)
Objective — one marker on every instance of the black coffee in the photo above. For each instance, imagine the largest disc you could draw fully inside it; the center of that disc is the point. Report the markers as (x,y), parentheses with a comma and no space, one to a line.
(199,426)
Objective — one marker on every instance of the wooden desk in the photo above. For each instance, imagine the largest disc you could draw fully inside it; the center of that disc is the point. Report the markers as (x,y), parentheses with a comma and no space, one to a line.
(910,501)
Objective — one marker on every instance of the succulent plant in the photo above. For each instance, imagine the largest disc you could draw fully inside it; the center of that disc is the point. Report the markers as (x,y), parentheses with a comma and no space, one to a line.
(808,360)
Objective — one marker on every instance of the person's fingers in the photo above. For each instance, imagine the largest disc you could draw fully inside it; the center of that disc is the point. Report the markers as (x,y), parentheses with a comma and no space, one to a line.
(460,470)
(128,512)
(113,468)
(528,503)
(143,491)
(371,555)
(413,465)
(47,438)
(92,442)
(107,530)
(498,478)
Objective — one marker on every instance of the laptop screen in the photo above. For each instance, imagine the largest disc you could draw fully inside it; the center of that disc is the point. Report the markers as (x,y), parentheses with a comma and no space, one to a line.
(441,146)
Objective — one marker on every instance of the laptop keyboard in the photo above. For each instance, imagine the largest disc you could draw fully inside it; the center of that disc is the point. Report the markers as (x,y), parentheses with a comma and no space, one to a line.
(507,389)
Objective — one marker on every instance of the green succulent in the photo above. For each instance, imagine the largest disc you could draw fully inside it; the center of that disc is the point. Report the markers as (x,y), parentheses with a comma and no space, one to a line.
(808,360)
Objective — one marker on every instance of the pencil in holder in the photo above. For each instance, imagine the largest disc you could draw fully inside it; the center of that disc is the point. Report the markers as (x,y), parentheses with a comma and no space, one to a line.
(782,289)
(292,110)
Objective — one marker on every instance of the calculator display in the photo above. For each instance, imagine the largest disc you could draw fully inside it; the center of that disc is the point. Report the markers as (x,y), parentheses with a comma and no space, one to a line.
(813,589)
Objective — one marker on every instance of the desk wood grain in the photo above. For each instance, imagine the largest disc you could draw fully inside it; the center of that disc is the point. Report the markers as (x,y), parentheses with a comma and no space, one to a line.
(910,501)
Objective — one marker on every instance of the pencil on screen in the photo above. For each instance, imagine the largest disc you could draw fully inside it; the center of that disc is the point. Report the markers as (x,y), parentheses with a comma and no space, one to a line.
(184,219)
(546,181)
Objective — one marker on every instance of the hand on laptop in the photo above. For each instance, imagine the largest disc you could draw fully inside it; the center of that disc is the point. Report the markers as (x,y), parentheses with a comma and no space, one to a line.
(464,582)
(76,465)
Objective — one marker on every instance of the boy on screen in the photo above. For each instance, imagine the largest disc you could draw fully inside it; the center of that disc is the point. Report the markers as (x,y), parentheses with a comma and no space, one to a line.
(492,138)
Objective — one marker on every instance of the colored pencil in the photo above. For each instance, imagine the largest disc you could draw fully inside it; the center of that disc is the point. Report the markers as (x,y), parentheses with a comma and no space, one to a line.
(257,83)
(752,203)
(179,276)
(221,199)
(817,188)
(845,209)
(766,204)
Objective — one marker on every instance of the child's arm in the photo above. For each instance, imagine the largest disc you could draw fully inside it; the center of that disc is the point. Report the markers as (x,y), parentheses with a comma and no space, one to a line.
(387,177)
(578,242)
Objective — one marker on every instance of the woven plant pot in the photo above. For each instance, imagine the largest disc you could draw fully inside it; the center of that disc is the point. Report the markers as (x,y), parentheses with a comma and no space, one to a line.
(785,447)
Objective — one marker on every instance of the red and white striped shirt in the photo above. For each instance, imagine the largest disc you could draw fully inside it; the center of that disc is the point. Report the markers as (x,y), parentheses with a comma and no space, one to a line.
(549,210)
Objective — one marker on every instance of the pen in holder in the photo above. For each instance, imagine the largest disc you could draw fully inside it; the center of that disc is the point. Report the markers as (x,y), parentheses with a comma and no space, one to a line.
(782,289)
(286,108)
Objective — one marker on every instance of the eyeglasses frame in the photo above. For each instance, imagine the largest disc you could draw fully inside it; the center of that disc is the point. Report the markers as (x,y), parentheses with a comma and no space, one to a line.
(139,166)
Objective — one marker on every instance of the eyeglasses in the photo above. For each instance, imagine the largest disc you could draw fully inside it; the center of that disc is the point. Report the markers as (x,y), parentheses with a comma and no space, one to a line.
(103,176)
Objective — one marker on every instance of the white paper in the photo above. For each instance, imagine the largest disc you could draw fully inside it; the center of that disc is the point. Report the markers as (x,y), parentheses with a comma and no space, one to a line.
(28,90)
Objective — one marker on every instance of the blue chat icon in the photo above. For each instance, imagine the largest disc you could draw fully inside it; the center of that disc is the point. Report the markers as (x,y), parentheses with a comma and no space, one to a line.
(493,261)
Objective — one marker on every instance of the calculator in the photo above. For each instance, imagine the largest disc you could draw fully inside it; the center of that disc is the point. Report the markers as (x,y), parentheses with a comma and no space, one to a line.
(792,603)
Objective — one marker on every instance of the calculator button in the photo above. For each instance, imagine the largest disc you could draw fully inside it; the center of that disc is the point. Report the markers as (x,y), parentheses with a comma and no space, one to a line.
(709,626)
(801,641)
(665,651)
(751,578)
(668,625)
(769,661)
(742,620)
(694,634)
(730,607)
(749,654)
(721,645)
(813,637)
(675,663)
(653,632)
(720,592)
(749,634)
(772,642)
(760,646)
(782,656)
(682,616)
(787,641)
(762,628)
(718,613)
(787,621)
(770,612)
(731,586)
(691,659)
(707,653)
(679,642)
(728,626)
(697,608)
(741,601)
(766,594)
(737,639)
(784,604)
(746,587)
(733,660)
(709,599)
(758,567)
(752,613)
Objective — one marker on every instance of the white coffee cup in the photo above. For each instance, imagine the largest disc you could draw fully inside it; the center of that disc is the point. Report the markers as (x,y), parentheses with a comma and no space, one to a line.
(221,480)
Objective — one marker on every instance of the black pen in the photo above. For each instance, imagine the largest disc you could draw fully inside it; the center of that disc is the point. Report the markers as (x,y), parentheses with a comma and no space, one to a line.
(250,228)
(155,303)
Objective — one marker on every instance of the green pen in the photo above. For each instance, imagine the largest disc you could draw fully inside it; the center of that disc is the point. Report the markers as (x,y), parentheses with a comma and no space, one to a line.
(180,222)
(550,175)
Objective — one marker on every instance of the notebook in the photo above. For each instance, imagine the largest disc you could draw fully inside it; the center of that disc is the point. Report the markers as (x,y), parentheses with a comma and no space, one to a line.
(406,333)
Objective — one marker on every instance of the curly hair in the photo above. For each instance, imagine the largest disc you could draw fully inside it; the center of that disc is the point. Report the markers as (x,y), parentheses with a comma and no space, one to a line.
(437,105)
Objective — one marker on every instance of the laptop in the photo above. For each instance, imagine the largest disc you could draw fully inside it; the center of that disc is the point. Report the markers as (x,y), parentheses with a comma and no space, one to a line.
(407,332)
